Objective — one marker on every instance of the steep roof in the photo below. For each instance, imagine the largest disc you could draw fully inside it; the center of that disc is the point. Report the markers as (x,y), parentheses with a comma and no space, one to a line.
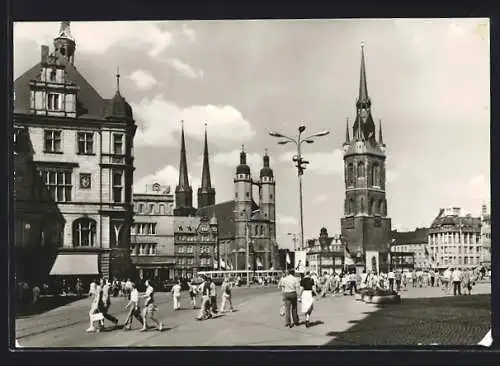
(468,223)
(224,212)
(186,224)
(90,103)
(418,236)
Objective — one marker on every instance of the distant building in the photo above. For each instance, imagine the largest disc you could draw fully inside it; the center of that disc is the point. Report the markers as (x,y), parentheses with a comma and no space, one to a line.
(152,235)
(455,240)
(73,168)
(485,236)
(412,248)
(325,253)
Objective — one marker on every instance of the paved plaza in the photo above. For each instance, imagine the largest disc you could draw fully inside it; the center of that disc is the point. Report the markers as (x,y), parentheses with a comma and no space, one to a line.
(426,316)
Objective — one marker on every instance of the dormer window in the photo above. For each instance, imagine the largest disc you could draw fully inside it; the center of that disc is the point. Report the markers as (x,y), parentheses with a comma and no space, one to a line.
(53,102)
(53,75)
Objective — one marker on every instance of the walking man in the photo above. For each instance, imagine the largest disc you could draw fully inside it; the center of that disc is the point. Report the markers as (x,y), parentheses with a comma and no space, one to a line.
(133,306)
(205,300)
(398,276)
(149,308)
(391,276)
(106,302)
(176,295)
(290,287)
(456,277)
(213,297)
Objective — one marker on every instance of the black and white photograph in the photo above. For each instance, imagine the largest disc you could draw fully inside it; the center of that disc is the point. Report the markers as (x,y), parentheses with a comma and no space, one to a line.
(263,183)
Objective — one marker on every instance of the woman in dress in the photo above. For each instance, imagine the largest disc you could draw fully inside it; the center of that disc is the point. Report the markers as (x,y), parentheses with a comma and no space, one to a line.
(307,288)
(226,295)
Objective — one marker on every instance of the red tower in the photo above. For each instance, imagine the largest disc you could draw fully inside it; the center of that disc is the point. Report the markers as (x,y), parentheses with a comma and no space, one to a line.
(365,225)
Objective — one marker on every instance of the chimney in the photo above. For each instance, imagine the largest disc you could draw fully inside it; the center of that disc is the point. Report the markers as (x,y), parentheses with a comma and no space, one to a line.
(45,53)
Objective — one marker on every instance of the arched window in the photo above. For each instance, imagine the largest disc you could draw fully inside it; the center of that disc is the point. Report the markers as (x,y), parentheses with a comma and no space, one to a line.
(369,169)
(361,169)
(371,207)
(84,232)
(261,229)
(376,175)
(162,209)
(256,230)
(350,207)
(373,204)
(350,174)
(361,205)
(382,207)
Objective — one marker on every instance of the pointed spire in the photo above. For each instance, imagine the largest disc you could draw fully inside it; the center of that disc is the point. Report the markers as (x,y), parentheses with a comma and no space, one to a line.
(118,79)
(266,159)
(347,137)
(380,138)
(243,156)
(183,170)
(205,175)
(65,30)
(363,89)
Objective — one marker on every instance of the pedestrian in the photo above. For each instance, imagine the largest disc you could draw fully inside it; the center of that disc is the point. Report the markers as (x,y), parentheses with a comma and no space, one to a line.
(391,277)
(213,297)
(352,283)
(94,314)
(226,295)
(290,286)
(176,295)
(105,302)
(36,294)
(133,306)
(149,308)
(307,289)
(398,277)
(432,276)
(204,289)
(456,277)
(192,293)
(467,281)
(92,288)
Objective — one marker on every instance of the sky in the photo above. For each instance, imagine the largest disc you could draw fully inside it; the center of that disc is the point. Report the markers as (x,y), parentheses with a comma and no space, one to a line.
(428,80)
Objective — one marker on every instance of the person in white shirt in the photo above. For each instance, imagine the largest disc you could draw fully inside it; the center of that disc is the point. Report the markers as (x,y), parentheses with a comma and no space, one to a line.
(149,308)
(226,295)
(94,308)
(176,295)
(391,276)
(133,306)
(92,288)
(193,291)
(456,277)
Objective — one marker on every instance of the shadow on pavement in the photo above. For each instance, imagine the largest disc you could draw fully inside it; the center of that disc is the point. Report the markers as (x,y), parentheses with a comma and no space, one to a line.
(44,303)
(460,320)
(316,322)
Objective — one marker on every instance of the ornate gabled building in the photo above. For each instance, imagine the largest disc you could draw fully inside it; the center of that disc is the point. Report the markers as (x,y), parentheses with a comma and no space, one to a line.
(73,168)
(242,220)
(365,226)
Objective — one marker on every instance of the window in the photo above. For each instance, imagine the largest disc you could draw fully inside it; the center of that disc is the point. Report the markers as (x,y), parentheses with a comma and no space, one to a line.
(85,142)
(133,249)
(162,209)
(247,194)
(256,230)
(376,175)
(181,249)
(261,229)
(151,208)
(84,233)
(271,196)
(117,186)
(141,208)
(118,143)
(190,249)
(52,141)
(52,75)
(236,195)
(53,102)
(361,169)
(350,208)
(58,184)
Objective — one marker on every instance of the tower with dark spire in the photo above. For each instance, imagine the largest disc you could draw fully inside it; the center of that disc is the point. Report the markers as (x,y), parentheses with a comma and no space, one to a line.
(183,191)
(206,194)
(365,225)
(267,205)
(64,43)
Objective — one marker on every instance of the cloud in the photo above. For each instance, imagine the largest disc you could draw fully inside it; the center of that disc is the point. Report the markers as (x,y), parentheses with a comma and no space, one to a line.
(232,159)
(465,193)
(159,119)
(184,68)
(320,198)
(99,37)
(189,32)
(168,175)
(322,163)
(286,220)
(391,176)
(143,79)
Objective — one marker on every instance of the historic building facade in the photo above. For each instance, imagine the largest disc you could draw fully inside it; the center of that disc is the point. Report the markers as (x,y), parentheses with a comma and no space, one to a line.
(325,253)
(73,169)
(245,224)
(455,240)
(414,245)
(152,235)
(365,226)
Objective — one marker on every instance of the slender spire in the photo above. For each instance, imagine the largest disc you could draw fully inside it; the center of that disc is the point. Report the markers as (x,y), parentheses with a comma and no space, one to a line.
(266,159)
(380,138)
(347,137)
(65,30)
(205,175)
(363,99)
(117,79)
(243,156)
(183,170)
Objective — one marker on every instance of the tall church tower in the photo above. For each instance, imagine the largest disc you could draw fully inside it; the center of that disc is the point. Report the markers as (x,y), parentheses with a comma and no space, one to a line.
(365,225)
(242,207)
(64,43)
(267,198)
(183,191)
(206,194)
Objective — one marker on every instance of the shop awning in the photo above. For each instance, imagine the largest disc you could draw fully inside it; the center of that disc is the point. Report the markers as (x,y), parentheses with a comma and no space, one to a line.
(75,264)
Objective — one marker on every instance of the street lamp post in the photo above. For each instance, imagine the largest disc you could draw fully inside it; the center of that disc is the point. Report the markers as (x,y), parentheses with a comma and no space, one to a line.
(301,164)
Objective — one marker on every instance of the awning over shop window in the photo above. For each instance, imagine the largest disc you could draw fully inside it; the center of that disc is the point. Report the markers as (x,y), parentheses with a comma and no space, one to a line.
(75,264)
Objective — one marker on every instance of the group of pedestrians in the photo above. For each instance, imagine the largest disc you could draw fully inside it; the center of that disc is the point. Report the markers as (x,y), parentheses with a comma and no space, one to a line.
(208,291)
(101,301)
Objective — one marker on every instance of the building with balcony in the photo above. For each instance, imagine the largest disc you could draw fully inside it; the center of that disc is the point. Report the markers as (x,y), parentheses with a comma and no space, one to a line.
(455,240)
(73,171)
(152,235)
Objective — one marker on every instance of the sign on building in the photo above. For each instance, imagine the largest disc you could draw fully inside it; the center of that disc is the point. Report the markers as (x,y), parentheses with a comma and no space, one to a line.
(372,261)
(300,261)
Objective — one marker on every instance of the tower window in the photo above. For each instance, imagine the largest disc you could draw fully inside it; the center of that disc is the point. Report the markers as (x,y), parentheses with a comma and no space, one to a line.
(117,186)
(376,175)
(361,169)
(350,207)
(118,144)
(374,207)
(247,194)
(361,205)
(350,174)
